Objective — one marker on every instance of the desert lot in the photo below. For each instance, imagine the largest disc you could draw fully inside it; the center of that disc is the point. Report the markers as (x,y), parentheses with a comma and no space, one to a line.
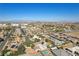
(75,34)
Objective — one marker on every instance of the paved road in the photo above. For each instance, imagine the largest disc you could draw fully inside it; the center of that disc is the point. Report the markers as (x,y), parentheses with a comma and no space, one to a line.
(23,31)
(6,38)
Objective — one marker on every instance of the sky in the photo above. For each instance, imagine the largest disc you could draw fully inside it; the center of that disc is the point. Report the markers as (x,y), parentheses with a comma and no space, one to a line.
(55,12)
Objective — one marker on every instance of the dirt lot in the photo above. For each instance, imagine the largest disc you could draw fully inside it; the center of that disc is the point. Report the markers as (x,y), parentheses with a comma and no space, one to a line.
(76,34)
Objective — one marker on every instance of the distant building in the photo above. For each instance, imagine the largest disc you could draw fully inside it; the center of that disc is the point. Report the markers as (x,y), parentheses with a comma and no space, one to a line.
(15,25)
(23,25)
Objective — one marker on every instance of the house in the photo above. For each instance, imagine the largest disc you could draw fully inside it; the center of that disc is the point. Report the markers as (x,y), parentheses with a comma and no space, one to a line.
(74,50)
(41,47)
(32,52)
(60,52)
(46,52)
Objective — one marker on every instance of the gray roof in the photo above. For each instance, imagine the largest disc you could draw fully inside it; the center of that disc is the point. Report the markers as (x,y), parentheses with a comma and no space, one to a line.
(60,52)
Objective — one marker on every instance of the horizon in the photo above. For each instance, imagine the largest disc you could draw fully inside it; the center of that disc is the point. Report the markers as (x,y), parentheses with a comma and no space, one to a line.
(46,12)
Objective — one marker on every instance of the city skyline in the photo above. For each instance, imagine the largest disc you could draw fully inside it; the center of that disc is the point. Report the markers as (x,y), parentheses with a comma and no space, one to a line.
(55,12)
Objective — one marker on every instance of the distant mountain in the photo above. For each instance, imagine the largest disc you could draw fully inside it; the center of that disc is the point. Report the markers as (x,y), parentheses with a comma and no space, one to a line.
(20,21)
(76,23)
